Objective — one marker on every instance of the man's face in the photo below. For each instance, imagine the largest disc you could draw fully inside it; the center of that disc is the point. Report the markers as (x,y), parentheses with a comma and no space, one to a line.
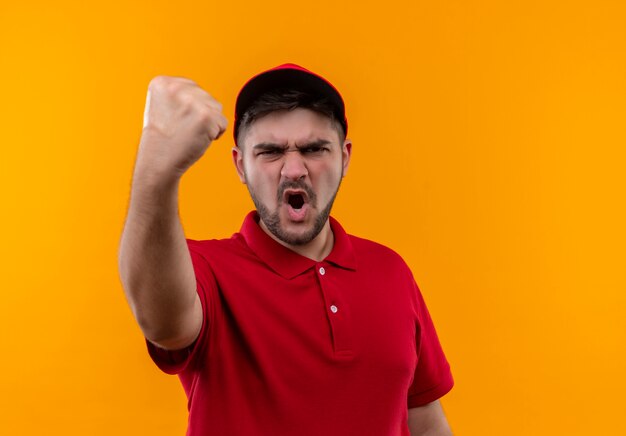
(293,163)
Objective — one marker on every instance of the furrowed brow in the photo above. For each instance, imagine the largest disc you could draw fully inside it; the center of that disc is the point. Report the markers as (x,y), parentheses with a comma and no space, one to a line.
(274,146)
(267,146)
(318,143)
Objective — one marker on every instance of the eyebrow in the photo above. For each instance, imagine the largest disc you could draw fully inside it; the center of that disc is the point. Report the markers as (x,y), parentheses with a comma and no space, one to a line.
(272,145)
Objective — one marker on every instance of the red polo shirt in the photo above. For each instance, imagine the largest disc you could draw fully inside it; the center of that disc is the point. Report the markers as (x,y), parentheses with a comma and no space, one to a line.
(291,346)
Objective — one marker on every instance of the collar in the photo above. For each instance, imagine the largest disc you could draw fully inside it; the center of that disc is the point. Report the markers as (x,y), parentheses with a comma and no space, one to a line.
(288,263)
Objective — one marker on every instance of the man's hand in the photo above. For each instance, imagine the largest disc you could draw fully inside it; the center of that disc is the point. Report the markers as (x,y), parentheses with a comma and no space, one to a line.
(180,122)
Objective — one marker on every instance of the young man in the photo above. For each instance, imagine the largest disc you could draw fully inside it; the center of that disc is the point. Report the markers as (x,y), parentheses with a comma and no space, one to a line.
(291,326)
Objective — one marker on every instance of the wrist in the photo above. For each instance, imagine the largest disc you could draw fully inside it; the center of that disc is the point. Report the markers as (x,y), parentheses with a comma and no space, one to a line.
(157,158)
(153,176)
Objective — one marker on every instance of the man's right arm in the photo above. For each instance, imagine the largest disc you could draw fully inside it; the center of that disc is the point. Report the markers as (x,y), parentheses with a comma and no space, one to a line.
(156,271)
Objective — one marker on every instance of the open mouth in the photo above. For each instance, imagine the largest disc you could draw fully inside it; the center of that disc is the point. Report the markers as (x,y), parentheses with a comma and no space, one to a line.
(296,201)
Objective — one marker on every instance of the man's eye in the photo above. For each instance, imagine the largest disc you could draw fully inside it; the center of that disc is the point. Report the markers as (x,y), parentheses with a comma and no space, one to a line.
(269,153)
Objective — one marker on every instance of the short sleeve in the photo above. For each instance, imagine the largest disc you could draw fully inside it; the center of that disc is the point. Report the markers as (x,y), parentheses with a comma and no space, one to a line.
(176,361)
(432,378)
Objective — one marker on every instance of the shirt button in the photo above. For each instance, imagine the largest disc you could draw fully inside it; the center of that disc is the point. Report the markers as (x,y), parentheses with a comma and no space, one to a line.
(322,271)
(333,309)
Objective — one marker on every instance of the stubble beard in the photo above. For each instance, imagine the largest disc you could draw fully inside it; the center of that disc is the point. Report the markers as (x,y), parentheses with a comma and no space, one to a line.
(273,222)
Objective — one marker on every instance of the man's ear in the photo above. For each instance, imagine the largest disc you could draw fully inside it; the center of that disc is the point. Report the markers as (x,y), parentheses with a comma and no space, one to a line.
(346,152)
(238,161)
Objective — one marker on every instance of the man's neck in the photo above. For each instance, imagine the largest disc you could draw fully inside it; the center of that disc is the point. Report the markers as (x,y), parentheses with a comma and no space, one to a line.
(317,249)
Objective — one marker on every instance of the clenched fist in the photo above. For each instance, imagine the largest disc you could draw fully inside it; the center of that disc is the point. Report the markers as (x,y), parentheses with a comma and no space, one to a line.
(180,121)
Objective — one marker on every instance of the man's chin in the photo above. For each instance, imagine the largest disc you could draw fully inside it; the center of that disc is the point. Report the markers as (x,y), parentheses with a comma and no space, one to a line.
(295,233)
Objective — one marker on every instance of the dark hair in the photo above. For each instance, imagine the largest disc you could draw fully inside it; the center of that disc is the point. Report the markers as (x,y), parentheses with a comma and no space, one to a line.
(286,99)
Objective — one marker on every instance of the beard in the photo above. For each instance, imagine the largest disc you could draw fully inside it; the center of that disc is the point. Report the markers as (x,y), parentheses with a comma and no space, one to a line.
(273,222)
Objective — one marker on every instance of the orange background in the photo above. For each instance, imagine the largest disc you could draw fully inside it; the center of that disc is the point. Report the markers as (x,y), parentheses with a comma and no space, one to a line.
(488,150)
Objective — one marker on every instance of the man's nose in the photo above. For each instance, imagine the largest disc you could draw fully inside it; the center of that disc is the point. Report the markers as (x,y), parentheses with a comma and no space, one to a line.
(294,167)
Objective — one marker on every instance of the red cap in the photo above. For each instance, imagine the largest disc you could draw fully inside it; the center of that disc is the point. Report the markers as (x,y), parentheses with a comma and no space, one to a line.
(288,76)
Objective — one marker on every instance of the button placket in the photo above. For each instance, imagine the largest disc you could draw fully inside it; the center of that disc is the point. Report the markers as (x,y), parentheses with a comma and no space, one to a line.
(338,319)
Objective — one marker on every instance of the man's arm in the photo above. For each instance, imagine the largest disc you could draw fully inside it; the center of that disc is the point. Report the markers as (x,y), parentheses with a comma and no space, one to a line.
(428,420)
(155,266)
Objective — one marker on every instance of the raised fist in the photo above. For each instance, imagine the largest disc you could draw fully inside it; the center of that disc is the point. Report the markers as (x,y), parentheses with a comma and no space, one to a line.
(180,121)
